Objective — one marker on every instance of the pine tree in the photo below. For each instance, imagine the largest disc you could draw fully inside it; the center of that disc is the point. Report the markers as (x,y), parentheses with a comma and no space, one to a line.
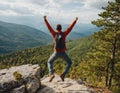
(109,38)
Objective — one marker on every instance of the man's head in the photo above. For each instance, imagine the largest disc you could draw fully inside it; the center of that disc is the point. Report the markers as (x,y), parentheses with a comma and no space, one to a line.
(58,27)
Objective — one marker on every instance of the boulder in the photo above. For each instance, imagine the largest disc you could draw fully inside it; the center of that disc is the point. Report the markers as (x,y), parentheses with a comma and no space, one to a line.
(20,79)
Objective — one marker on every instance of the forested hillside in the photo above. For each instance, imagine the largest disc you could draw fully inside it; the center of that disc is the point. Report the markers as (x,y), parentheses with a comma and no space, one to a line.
(76,50)
(80,51)
(14,37)
(17,37)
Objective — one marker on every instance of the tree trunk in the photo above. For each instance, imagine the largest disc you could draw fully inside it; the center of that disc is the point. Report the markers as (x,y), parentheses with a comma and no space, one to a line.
(112,61)
(111,75)
(107,74)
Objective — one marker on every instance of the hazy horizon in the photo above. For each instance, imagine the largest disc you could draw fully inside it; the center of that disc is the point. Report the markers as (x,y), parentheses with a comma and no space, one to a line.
(31,12)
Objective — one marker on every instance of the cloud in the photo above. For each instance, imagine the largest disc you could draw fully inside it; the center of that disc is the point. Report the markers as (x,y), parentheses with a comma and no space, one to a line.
(97,4)
(7,8)
(61,10)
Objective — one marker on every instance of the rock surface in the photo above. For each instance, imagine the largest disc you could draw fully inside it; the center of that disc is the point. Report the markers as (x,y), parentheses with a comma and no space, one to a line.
(20,79)
(26,79)
(68,86)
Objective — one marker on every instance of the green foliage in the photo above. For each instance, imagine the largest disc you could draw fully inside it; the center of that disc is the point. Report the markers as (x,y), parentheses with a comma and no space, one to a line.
(40,55)
(17,76)
(106,54)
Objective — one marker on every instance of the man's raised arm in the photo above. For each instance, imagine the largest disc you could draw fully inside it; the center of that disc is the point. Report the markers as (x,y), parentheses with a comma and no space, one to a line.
(71,26)
(48,26)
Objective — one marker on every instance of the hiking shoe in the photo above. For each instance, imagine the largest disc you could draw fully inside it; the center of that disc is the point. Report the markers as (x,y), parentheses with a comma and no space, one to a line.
(62,76)
(51,77)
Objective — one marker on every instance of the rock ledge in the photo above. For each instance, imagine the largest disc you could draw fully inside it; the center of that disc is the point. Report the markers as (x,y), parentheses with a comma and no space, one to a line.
(68,86)
(20,79)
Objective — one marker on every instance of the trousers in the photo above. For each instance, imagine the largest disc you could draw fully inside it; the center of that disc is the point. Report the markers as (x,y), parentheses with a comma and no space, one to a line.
(56,55)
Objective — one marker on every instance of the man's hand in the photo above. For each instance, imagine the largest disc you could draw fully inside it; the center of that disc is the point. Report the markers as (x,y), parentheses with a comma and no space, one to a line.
(45,17)
(76,18)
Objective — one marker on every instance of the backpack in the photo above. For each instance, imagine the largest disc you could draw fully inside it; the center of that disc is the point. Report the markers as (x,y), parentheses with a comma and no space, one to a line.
(59,44)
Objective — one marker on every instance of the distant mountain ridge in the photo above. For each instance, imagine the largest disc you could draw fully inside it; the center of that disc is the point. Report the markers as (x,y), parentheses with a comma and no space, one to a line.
(16,37)
(78,31)
(83,30)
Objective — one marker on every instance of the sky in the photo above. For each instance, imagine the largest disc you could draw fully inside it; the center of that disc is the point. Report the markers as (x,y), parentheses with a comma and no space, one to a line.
(31,12)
